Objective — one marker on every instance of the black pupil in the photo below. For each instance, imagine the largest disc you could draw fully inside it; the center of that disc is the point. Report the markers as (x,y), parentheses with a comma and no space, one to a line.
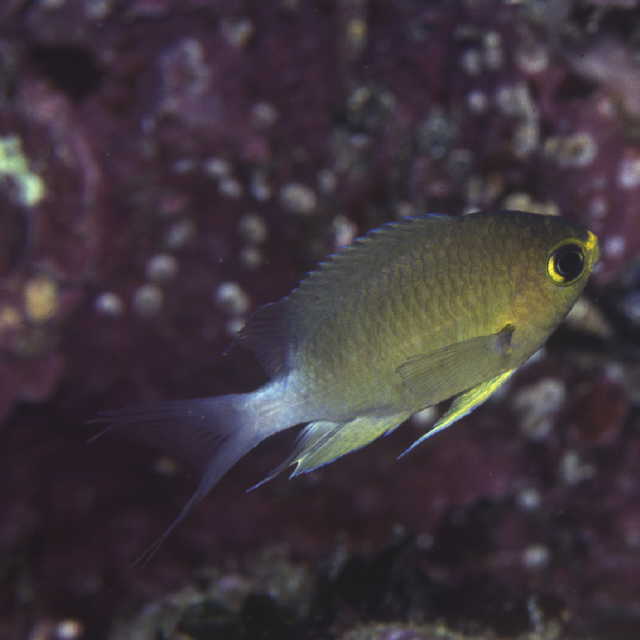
(569,262)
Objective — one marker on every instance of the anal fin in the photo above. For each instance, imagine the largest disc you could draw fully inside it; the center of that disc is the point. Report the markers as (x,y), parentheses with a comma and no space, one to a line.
(350,436)
(311,437)
(323,442)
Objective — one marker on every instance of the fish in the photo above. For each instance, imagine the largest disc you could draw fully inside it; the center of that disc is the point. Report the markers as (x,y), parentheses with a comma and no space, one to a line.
(418,311)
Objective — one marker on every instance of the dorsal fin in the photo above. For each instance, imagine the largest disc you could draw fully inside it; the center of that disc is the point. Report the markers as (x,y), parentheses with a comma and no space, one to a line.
(275,330)
(347,268)
(267,335)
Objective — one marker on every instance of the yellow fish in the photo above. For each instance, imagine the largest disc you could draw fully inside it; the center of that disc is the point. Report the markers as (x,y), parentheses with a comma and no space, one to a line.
(413,313)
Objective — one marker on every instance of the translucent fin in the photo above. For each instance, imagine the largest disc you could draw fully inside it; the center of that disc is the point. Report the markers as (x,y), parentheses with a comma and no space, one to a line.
(267,334)
(463,405)
(433,377)
(311,437)
(188,430)
(210,434)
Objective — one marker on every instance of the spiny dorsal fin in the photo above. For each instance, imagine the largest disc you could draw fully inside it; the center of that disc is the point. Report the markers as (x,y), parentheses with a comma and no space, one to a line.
(367,254)
(277,328)
(267,335)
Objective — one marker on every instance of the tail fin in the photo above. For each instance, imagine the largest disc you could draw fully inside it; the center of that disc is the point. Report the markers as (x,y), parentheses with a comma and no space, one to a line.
(209,434)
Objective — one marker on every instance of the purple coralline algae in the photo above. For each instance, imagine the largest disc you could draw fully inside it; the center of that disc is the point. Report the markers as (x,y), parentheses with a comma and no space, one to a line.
(166,166)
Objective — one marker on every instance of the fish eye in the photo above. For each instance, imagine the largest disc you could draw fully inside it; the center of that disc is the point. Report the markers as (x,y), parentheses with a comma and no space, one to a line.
(566,263)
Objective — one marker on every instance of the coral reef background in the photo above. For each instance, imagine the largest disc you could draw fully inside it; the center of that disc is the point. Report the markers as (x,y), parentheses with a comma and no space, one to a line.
(166,166)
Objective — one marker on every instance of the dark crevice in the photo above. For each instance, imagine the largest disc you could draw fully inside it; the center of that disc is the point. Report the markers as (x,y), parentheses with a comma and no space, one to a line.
(73,70)
(575,87)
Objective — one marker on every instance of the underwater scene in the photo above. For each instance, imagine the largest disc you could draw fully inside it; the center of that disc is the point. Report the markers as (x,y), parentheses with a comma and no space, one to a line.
(320,319)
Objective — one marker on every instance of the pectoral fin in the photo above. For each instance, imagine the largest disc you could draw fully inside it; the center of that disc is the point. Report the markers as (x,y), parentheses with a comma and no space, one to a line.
(463,405)
(433,377)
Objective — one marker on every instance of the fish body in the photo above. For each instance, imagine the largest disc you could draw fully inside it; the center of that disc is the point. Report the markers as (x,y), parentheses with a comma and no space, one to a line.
(409,289)
(413,313)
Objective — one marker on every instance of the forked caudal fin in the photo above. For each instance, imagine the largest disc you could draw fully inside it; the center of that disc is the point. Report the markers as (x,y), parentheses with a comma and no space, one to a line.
(209,434)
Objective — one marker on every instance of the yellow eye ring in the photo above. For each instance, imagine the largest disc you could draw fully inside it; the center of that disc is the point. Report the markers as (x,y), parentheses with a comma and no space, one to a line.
(566,263)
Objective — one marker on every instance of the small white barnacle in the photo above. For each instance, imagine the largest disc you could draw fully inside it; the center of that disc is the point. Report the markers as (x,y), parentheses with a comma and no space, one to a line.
(161,267)
(148,300)
(298,198)
(231,297)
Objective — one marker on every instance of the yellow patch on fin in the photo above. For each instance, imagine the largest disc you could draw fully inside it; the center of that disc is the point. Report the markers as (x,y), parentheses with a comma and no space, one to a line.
(463,405)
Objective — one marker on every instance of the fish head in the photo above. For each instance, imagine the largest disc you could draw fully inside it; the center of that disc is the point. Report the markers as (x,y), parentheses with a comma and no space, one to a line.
(569,264)
(560,256)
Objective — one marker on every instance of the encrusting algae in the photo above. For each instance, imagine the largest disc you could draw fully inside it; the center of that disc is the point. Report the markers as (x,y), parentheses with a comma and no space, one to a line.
(411,314)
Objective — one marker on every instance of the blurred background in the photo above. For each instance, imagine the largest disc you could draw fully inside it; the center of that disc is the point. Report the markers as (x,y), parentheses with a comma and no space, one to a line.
(166,166)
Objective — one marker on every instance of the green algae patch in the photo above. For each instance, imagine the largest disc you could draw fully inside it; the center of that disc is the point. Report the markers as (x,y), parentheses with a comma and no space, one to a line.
(14,165)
